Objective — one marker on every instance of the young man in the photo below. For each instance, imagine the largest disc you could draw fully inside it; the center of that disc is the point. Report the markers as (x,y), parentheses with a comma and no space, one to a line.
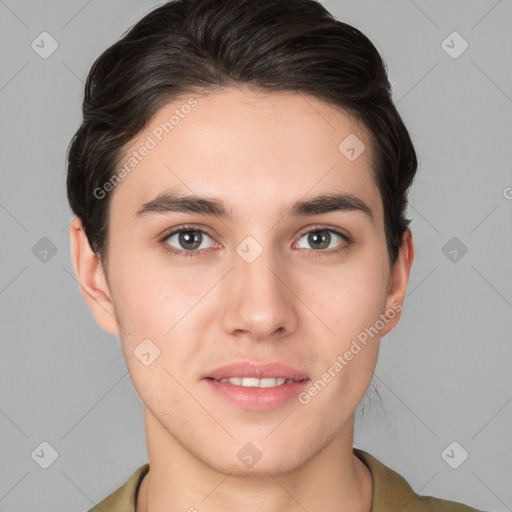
(239,184)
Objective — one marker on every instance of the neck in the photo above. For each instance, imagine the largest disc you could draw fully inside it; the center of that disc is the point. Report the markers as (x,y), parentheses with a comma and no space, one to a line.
(333,480)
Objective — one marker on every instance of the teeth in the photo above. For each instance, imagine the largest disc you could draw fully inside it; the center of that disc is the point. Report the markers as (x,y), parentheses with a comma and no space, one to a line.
(251,382)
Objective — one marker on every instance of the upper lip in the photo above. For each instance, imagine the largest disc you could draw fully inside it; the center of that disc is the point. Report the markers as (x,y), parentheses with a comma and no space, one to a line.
(256,370)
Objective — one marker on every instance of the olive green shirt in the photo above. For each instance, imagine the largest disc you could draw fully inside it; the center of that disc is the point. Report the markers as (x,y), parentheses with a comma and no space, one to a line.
(391,492)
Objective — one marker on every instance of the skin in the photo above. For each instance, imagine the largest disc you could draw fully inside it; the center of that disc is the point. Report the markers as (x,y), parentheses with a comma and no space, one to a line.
(258,152)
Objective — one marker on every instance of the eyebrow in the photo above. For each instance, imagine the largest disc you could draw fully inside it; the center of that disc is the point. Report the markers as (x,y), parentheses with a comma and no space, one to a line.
(325,203)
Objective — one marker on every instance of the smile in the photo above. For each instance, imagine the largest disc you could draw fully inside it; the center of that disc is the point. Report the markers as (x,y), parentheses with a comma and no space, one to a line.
(250,382)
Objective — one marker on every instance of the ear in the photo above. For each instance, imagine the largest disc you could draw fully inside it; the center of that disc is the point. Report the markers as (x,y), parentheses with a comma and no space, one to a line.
(91,278)
(398,281)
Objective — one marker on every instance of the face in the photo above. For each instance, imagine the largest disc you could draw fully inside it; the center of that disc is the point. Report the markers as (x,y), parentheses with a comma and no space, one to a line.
(192,291)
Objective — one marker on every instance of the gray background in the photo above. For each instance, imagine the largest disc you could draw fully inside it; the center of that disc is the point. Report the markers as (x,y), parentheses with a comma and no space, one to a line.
(443,373)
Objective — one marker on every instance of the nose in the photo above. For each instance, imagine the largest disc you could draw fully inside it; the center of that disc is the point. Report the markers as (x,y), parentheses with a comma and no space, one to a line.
(260,303)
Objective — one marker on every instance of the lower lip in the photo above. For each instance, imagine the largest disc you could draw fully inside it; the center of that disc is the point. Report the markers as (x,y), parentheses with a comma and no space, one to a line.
(258,399)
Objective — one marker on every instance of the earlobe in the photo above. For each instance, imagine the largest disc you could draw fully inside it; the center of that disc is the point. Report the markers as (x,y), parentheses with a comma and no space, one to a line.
(398,282)
(90,275)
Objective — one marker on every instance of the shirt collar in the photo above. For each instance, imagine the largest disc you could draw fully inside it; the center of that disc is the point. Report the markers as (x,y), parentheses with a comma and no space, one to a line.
(391,492)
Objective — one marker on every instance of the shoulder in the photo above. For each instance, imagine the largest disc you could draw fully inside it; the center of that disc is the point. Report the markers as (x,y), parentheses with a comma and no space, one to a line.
(391,492)
(125,497)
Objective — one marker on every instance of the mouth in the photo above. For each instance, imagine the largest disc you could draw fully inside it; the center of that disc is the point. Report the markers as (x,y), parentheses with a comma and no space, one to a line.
(255,385)
(252,382)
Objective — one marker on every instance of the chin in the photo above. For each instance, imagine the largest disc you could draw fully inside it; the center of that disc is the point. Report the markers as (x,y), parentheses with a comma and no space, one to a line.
(274,464)
(259,457)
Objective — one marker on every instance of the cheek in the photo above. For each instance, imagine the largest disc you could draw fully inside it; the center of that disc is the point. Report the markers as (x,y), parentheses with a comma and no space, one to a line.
(150,297)
(347,297)
(351,305)
(162,303)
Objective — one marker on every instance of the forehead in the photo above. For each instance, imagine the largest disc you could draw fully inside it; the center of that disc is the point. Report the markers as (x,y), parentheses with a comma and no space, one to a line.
(252,148)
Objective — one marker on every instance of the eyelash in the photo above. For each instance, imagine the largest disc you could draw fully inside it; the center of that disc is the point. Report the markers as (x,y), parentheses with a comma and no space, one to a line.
(347,241)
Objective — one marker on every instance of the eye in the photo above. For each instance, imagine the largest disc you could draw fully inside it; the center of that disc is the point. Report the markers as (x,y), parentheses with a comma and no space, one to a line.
(321,238)
(188,241)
